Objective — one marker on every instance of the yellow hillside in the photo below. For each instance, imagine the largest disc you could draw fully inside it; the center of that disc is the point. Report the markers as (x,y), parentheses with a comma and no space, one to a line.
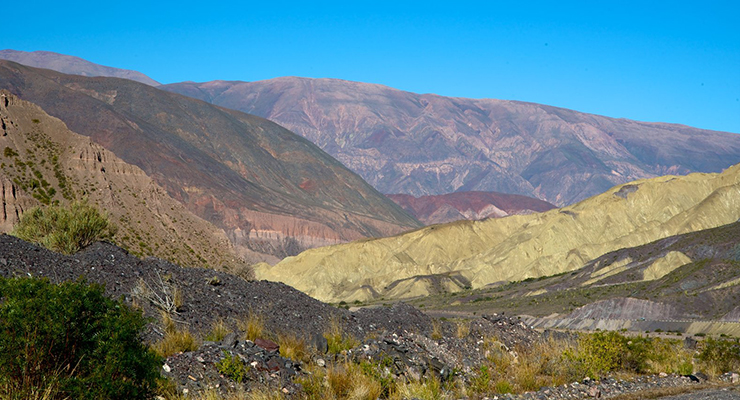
(516,247)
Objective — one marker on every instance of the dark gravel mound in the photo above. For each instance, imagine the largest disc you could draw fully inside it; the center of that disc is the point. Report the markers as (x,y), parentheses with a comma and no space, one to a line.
(207,294)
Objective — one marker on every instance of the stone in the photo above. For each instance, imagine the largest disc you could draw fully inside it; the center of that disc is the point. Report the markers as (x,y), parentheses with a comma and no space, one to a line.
(321,362)
(594,391)
(166,368)
(267,344)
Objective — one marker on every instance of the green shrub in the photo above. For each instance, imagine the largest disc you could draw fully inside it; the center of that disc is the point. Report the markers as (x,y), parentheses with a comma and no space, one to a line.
(64,229)
(233,367)
(70,341)
(720,355)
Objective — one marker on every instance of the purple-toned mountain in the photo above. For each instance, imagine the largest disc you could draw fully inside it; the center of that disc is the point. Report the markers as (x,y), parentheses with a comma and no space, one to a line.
(272,191)
(424,144)
(72,65)
(438,209)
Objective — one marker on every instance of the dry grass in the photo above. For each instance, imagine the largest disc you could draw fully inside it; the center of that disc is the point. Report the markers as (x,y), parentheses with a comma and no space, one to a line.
(219,330)
(341,381)
(337,340)
(436,330)
(253,326)
(293,347)
(463,329)
(175,340)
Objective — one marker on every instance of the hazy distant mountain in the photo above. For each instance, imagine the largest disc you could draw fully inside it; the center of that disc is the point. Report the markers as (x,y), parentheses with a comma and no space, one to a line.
(464,254)
(272,191)
(424,144)
(72,65)
(468,205)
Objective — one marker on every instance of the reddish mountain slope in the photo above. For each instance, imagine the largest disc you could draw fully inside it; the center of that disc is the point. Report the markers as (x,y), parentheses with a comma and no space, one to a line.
(468,205)
(424,144)
(273,192)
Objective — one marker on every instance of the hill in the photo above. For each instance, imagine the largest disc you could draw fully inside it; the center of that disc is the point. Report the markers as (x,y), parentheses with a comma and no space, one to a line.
(425,144)
(273,192)
(43,163)
(468,205)
(467,254)
(688,283)
(72,65)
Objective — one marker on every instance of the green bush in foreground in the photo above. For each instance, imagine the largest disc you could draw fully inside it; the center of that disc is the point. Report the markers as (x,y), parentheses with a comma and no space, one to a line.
(64,229)
(69,341)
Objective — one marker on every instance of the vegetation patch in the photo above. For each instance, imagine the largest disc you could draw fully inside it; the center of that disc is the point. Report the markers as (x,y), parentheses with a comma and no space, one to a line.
(70,341)
(64,229)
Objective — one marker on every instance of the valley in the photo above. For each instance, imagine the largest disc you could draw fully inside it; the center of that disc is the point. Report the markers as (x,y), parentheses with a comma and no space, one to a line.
(520,250)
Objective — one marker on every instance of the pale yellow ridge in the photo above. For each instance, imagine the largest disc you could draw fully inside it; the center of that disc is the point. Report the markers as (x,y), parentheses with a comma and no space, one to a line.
(521,246)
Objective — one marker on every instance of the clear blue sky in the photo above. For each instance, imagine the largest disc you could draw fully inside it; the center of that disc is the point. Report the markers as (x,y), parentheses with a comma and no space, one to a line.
(652,61)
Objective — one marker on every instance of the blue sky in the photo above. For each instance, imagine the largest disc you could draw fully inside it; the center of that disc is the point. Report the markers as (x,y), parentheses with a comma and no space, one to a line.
(663,61)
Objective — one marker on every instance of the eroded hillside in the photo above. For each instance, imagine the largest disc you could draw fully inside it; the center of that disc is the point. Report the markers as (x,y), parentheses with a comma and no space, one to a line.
(43,162)
(475,254)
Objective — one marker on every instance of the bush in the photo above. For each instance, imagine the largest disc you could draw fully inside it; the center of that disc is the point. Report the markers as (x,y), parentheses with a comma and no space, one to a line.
(70,341)
(720,355)
(64,229)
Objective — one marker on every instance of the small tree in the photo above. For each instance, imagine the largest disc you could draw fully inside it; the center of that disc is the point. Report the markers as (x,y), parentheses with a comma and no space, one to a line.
(70,341)
(64,229)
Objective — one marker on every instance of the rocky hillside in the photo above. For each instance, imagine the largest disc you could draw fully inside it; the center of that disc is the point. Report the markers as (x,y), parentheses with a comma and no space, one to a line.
(273,192)
(43,162)
(72,65)
(688,283)
(468,205)
(424,144)
(467,254)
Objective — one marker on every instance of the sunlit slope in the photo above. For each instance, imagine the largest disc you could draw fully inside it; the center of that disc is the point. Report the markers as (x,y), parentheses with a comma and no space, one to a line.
(516,247)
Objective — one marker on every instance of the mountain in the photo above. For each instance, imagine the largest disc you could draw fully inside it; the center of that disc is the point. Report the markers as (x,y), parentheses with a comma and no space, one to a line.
(475,254)
(468,205)
(424,144)
(43,162)
(273,192)
(668,284)
(72,65)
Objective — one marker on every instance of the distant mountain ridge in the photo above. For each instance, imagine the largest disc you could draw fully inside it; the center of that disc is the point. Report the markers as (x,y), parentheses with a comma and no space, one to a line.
(424,144)
(72,65)
(468,205)
(273,192)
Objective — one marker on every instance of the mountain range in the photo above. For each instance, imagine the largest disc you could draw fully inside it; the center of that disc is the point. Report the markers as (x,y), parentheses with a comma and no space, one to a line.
(425,144)
(273,192)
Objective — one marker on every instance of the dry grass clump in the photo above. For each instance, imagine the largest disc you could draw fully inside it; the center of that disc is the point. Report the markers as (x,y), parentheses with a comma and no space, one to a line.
(341,381)
(337,340)
(219,330)
(293,347)
(175,340)
(436,330)
(253,325)
(463,329)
